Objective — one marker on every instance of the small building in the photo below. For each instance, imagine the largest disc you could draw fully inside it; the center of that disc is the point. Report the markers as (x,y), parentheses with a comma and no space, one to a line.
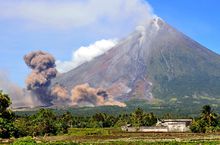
(175,125)
(164,125)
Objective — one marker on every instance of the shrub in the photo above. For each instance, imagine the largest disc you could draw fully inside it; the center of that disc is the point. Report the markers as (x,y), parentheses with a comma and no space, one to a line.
(25,141)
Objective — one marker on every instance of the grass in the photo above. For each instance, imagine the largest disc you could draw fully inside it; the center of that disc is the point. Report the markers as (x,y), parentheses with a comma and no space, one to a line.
(92,131)
(123,143)
(114,136)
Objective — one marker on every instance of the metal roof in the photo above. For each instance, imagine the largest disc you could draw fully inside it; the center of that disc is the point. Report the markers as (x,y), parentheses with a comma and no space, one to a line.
(176,120)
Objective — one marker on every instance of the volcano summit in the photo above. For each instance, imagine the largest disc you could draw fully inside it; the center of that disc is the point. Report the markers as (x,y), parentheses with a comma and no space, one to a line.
(154,63)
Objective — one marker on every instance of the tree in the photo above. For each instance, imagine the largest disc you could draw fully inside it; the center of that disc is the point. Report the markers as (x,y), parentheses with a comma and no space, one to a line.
(209,116)
(149,119)
(140,118)
(65,122)
(198,126)
(137,117)
(23,126)
(98,119)
(7,128)
(44,122)
(122,120)
(109,121)
(207,122)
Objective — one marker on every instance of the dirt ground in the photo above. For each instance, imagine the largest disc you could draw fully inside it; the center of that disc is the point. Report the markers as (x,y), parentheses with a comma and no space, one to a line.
(136,136)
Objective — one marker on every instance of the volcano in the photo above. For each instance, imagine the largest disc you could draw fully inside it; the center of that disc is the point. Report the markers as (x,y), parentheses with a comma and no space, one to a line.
(155,62)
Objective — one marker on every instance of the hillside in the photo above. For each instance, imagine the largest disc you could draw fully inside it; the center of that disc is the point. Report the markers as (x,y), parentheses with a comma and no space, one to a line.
(156,62)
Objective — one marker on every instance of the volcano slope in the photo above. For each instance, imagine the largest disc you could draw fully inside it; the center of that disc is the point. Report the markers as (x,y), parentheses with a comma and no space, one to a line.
(155,62)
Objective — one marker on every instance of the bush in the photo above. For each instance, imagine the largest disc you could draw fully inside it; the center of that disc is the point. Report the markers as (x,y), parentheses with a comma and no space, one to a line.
(198,126)
(25,141)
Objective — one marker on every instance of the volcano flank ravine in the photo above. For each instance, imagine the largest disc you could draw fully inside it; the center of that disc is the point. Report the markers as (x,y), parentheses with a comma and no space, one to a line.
(154,63)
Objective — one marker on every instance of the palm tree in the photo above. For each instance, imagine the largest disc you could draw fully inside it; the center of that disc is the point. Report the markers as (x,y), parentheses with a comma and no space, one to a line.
(208,115)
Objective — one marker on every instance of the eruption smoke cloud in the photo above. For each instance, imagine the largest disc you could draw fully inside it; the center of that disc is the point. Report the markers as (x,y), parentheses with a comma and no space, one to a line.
(20,97)
(38,82)
(43,66)
(60,92)
(84,94)
(39,60)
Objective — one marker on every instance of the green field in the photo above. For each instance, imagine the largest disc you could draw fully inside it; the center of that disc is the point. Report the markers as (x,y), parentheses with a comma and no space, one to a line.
(112,136)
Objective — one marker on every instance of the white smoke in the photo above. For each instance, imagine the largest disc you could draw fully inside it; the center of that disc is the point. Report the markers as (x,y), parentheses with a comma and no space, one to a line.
(84,54)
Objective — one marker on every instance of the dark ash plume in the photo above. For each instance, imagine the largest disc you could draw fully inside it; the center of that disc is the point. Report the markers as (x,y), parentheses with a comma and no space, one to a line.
(39,81)
(43,70)
(39,60)
(83,95)
(60,92)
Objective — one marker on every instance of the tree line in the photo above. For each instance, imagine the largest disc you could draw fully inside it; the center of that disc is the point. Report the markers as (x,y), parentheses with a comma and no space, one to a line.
(47,122)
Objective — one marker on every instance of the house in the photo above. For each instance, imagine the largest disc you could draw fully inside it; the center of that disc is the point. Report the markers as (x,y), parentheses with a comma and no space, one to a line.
(164,125)
(175,125)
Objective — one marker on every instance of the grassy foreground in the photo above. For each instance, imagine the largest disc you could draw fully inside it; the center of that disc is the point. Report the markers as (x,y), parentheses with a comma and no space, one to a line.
(112,136)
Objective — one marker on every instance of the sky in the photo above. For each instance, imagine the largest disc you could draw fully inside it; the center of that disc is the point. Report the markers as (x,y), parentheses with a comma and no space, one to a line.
(71,30)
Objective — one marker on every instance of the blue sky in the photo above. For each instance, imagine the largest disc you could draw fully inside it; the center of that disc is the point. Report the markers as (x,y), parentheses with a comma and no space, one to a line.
(27,26)
(198,19)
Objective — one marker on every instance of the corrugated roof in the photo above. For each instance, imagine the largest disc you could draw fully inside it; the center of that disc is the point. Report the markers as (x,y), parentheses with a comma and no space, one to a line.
(176,120)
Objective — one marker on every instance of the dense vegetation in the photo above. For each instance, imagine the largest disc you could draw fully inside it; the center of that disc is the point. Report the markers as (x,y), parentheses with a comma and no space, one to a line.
(47,122)
(208,121)
(7,117)
(175,108)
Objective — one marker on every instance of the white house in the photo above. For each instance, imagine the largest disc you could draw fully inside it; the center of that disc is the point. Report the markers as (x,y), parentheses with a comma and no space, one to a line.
(175,125)
(164,125)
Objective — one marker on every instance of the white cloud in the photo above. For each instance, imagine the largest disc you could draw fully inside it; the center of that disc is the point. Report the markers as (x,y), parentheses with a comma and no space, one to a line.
(109,18)
(75,13)
(84,54)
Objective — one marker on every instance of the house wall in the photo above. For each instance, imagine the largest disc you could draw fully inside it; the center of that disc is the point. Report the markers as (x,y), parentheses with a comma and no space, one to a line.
(129,129)
(153,129)
(176,126)
(145,129)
